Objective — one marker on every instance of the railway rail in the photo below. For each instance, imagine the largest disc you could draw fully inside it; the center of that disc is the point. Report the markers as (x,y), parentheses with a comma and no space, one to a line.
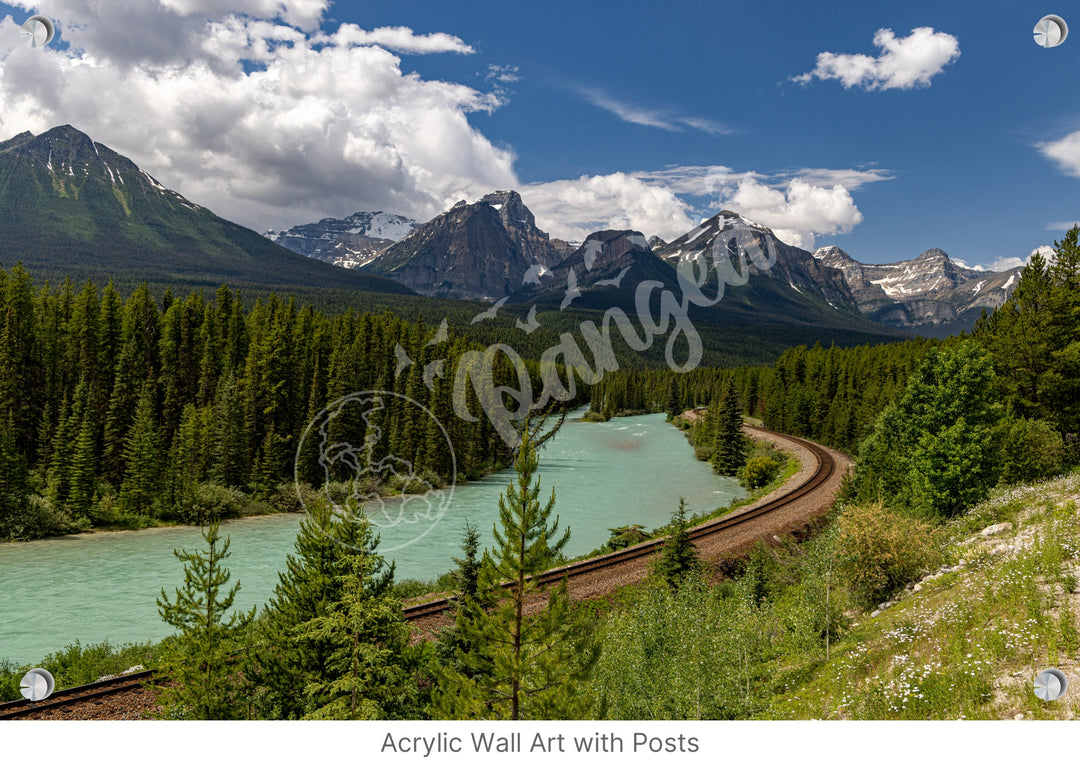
(86,693)
(825,466)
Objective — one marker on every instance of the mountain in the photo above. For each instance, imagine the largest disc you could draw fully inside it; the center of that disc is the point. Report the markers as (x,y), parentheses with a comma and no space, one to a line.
(535,245)
(603,272)
(349,242)
(787,274)
(481,251)
(930,293)
(73,207)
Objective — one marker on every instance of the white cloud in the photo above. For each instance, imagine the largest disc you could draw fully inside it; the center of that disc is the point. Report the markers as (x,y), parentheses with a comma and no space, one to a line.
(1062,225)
(502,74)
(903,63)
(797,211)
(1066,152)
(319,124)
(400,39)
(659,119)
(572,209)
(1003,263)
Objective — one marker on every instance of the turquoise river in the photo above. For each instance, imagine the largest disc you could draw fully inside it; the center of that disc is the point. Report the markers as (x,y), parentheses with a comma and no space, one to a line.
(103,586)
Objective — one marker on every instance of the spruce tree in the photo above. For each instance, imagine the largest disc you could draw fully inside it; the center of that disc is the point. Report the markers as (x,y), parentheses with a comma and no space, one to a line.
(729,443)
(198,657)
(367,672)
(535,661)
(308,589)
(141,457)
(452,640)
(679,557)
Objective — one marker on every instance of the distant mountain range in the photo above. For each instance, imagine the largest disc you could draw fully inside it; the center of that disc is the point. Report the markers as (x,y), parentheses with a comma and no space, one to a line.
(492,248)
(72,207)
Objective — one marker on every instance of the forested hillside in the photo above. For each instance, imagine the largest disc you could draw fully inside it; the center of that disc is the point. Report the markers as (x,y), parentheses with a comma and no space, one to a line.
(121,411)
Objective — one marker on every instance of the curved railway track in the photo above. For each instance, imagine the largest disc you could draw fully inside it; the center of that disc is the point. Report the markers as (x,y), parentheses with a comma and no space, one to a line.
(825,466)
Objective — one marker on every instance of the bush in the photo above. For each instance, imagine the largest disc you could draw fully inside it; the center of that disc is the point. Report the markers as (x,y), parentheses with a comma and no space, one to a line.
(880,551)
(1029,450)
(210,503)
(30,517)
(758,472)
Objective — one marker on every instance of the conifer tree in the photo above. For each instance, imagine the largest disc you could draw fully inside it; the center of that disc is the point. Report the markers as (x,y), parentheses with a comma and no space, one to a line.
(141,457)
(535,660)
(367,672)
(452,640)
(308,589)
(198,657)
(679,557)
(729,444)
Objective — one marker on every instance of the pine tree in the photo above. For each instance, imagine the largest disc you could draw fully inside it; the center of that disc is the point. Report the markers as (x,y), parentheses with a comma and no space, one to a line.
(367,639)
(535,661)
(679,557)
(729,443)
(198,658)
(141,457)
(674,400)
(308,589)
(452,640)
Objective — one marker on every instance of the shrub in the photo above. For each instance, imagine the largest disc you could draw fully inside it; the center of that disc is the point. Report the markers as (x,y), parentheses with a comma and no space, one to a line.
(1029,449)
(758,472)
(212,503)
(880,551)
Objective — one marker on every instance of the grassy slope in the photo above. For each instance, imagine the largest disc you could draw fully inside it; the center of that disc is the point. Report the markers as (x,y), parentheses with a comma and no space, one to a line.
(970,641)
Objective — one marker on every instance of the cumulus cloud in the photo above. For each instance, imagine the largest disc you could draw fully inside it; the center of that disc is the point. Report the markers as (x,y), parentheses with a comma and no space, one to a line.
(1003,263)
(1066,152)
(659,119)
(660,202)
(572,209)
(400,39)
(257,119)
(903,63)
(797,212)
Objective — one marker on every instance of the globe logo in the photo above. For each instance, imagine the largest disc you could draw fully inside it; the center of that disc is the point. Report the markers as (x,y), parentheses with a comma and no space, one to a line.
(344,454)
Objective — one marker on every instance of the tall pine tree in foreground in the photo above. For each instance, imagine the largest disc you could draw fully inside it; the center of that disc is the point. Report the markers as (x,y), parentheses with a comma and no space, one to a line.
(198,657)
(522,665)
(369,660)
(310,588)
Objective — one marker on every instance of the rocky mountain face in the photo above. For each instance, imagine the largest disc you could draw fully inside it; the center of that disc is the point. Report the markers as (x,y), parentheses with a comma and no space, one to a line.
(465,253)
(349,242)
(604,271)
(73,207)
(727,235)
(928,291)
(535,245)
(481,251)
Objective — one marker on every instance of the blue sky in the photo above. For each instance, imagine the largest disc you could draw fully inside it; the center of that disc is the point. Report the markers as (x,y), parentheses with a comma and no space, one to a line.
(638,114)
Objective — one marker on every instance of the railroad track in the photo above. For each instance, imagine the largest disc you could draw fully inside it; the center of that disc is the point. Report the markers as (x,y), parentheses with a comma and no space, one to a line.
(825,466)
(78,695)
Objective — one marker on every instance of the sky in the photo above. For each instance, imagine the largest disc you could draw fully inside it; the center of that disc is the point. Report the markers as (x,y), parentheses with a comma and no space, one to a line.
(887,129)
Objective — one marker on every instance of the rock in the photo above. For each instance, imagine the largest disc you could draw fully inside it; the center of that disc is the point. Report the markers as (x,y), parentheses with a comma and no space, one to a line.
(1018,717)
(917,588)
(882,606)
(874,613)
(993,530)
